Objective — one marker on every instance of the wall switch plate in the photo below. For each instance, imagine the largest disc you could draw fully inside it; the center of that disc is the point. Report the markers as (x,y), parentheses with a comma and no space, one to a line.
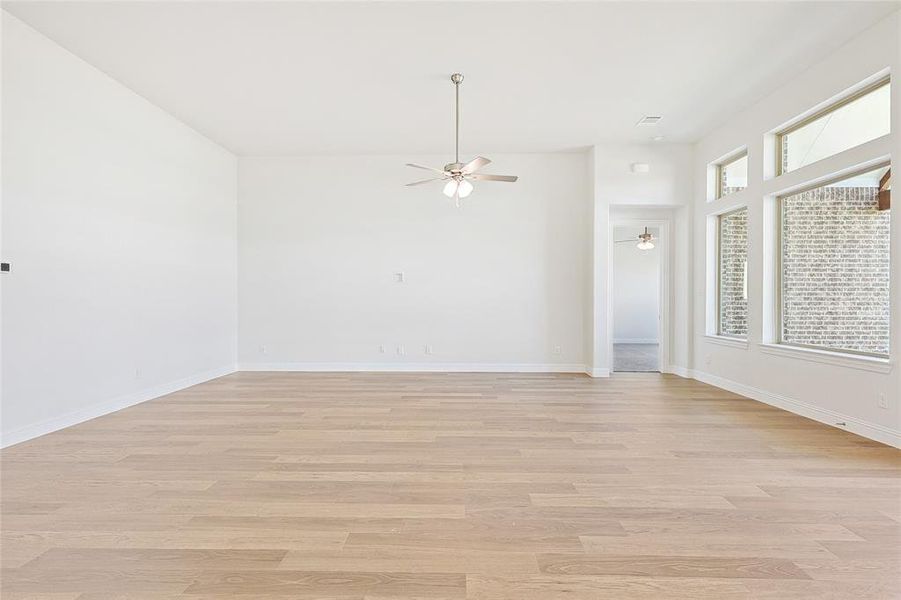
(428,349)
(557,350)
(263,350)
(382,349)
(399,277)
(883,403)
(400,351)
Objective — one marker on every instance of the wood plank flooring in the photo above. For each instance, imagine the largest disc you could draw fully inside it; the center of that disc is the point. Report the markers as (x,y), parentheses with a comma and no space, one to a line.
(450,486)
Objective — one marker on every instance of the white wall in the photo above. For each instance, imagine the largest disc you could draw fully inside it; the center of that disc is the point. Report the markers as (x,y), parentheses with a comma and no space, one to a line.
(636,288)
(119,222)
(667,183)
(819,387)
(495,284)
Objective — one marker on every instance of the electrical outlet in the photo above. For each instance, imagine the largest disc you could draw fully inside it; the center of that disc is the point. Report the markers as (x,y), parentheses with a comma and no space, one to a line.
(382,349)
(883,403)
(137,373)
(557,350)
(399,277)
(263,350)
(428,349)
(401,351)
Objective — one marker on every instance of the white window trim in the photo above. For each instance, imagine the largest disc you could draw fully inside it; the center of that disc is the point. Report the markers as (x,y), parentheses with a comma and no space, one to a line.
(731,342)
(714,171)
(773,282)
(871,84)
(713,300)
(830,357)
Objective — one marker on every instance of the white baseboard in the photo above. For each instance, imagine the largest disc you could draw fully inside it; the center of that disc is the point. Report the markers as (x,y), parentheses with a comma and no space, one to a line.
(680,371)
(355,367)
(873,431)
(636,341)
(868,430)
(597,372)
(103,408)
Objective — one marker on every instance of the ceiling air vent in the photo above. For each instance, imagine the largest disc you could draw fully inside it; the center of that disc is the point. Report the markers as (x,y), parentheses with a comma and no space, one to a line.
(649,120)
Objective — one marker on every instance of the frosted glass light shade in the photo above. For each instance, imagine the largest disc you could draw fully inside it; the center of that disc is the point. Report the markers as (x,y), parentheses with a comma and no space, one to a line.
(450,188)
(645,245)
(464,189)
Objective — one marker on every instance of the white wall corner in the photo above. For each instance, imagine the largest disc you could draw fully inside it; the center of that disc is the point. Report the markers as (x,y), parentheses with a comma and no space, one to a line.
(597,371)
(680,371)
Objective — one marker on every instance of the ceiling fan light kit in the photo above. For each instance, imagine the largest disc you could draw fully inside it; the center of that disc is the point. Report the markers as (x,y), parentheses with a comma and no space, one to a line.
(459,175)
(645,240)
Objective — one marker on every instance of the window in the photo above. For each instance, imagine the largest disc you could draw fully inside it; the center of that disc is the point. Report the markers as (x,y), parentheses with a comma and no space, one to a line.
(835,265)
(732,274)
(732,175)
(851,122)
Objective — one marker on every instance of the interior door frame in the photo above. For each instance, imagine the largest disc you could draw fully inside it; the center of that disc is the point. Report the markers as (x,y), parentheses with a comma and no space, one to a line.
(664,287)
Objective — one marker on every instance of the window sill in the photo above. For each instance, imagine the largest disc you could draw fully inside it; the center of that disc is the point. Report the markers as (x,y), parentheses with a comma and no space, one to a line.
(731,342)
(840,359)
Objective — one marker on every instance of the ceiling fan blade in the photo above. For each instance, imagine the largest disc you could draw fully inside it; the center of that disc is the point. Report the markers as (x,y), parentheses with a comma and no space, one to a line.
(486,177)
(424,181)
(475,164)
(426,168)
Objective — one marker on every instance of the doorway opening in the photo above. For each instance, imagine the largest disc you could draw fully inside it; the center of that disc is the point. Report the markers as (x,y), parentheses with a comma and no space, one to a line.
(636,299)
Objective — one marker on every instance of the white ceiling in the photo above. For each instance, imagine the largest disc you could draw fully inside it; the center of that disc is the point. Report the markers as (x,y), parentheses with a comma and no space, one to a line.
(285,78)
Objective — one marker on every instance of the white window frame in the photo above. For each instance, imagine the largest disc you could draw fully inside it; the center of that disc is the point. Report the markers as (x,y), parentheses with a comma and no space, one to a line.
(712,272)
(715,174)
(779,288)
(722,164)
(859,92)
(718,305)
(861,158)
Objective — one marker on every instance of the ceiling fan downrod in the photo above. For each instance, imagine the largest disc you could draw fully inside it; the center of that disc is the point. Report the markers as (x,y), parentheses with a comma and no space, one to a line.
(457,78)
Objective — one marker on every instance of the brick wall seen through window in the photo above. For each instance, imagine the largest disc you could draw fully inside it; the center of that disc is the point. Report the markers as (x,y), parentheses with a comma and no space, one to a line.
(835,267)
(733,266)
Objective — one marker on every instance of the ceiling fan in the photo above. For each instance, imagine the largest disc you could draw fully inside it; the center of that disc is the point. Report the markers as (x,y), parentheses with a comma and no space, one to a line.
(457,174)
(645,240)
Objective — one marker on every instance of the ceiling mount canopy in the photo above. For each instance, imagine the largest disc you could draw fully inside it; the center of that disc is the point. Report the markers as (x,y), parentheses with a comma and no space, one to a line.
(457,174)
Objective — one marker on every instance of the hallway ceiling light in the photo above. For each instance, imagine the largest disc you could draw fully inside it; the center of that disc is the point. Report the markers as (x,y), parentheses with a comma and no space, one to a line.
(456,173)
(645,240)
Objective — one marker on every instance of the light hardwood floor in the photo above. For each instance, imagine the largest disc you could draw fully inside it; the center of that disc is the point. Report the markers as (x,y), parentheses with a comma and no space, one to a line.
(449,486)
